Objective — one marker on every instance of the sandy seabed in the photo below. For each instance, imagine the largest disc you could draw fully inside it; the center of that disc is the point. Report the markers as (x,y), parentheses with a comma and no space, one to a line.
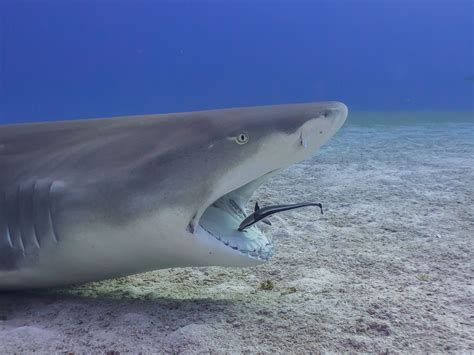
(389,267)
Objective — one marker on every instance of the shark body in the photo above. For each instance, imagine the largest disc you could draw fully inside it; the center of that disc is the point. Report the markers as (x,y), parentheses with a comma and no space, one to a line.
(93,199)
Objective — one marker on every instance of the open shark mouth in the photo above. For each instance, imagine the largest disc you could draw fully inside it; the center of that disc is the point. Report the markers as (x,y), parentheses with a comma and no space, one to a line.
(223,218)
(227,220)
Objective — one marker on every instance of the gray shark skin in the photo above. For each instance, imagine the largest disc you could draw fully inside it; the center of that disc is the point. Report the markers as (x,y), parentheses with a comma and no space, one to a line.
(93,199)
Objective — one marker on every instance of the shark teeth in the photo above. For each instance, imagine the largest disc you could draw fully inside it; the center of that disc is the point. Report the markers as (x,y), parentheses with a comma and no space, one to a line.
(259,247)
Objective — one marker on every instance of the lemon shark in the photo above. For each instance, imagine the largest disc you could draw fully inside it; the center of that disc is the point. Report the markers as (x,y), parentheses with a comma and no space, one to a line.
(93,199)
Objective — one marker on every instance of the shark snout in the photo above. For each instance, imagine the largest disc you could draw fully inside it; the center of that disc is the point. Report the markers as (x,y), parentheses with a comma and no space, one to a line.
(338,114)
(334,116)
(319,129)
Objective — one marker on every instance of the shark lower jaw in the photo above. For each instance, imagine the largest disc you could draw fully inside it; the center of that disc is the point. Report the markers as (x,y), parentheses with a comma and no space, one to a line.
(222,218)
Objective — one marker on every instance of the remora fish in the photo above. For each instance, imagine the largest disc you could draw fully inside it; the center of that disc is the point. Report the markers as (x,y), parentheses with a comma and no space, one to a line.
(260,213)
(93,199)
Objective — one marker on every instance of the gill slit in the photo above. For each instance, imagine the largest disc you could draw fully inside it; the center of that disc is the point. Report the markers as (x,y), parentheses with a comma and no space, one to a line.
(33,216)
(7,226)
(50,216)
(18,204)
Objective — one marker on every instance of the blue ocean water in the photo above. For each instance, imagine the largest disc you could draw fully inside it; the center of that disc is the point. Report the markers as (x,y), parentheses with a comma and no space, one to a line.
(80,59)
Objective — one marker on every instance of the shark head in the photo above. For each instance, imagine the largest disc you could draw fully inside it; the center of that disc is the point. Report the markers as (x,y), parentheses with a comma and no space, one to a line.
(242,149)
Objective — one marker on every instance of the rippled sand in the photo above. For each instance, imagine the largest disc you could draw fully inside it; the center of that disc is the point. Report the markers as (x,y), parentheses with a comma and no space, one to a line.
(388,267)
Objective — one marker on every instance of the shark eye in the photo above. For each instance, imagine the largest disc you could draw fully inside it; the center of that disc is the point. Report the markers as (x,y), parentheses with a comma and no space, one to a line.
(242,138)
